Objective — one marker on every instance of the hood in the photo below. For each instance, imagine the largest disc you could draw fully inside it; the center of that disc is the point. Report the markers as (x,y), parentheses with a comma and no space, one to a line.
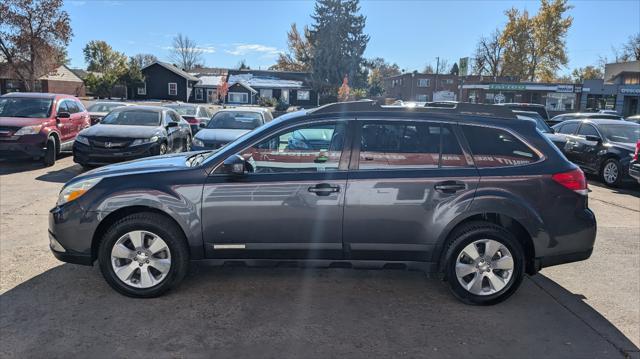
(219,135)
(625,145)
(98,114)
(172,162)
(18,122)
(122,131)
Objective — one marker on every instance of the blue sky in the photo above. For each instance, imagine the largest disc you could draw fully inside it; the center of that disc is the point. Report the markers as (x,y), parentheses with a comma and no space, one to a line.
(410,33)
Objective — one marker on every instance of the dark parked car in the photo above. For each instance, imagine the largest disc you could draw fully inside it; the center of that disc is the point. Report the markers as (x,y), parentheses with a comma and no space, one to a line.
(227,125)
(132,132)
(447,190)
(39,125)
(634,166)
(540,109)
(196,115)
(98,110)
(599,146)
(581,115)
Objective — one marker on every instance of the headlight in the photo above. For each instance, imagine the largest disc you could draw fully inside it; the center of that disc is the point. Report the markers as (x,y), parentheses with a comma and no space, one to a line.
(142,141)
(83,140)
(197,142)
(76,190)
(28,130)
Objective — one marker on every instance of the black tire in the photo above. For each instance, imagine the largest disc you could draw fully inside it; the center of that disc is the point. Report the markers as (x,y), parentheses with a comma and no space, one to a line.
(157,224)
(187,144)
(162,150)
(50,152)
(606,177)
(467,234)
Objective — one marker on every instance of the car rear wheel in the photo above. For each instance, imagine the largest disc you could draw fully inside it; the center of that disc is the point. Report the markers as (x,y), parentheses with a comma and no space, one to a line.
(142,255)
(611,173)
(484,263)
(49,158)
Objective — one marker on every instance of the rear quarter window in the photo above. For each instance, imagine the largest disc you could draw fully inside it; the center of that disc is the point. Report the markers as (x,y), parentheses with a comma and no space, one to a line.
(492,147)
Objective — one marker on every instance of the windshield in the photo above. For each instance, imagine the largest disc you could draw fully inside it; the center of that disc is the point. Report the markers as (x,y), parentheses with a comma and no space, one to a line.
(184,110)
(103,107)
(25,107)
(628,132)
(235,120)
(132,118)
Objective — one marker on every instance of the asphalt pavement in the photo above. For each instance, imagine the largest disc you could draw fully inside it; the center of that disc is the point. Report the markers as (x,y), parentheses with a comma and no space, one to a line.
(589,309)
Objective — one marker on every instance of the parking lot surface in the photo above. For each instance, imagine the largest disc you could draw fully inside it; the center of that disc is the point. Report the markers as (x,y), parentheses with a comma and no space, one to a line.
(589,309)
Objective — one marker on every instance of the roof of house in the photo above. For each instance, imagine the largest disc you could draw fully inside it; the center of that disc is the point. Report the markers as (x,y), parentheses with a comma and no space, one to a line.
(265,81)
(211,81)
(61,73)
(173,69)
(245,85)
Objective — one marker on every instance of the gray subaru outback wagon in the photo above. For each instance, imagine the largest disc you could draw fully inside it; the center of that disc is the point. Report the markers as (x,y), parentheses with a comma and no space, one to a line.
(470,192)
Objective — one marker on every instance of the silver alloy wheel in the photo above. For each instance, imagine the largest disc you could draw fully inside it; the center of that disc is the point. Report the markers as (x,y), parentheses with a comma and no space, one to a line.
(163,148)
(610,172)
(141,259)
(188,146)
(484,267)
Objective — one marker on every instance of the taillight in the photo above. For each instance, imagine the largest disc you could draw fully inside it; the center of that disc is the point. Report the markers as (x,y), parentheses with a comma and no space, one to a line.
(573,180)
(191,120)
(636,155)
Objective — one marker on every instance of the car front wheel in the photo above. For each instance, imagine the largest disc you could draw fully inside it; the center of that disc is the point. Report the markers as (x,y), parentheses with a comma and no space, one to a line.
(142,255)
(484,263)
(611,172)
(49,158)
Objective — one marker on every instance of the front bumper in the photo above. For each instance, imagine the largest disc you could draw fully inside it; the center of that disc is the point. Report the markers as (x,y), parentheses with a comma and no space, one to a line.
(87,155)
(71,228)
(12,149)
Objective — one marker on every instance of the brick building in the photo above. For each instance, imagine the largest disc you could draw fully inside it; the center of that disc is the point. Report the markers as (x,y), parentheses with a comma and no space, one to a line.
(62,80)
(419,87)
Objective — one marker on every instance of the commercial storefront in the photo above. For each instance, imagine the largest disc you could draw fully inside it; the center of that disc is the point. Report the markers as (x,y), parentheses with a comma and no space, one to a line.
(555,97)
(619,91)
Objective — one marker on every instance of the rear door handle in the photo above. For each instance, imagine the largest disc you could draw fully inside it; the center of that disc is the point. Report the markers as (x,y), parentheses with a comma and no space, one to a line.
(324,189)
(450,187)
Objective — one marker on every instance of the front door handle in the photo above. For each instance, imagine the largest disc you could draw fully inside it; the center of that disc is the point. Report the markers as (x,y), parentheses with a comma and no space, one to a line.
(324,189)
(450,187)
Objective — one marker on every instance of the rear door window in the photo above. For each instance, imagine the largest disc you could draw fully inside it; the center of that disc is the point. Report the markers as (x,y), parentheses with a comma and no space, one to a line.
(492,147)
(408,145)
(569,128)
(588,130)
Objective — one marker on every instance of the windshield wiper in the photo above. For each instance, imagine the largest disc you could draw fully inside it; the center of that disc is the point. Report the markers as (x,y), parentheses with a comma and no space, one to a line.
(197,159)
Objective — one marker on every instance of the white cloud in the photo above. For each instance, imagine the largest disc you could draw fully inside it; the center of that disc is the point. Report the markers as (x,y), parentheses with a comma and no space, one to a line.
(244,49)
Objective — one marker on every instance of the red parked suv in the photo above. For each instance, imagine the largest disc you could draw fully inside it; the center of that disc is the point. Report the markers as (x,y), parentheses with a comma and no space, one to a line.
(39,125)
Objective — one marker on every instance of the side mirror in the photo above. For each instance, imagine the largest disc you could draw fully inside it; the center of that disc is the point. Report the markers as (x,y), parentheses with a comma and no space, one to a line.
(202,125)
(63,115)
(172,124)
(235,165)
(592,138)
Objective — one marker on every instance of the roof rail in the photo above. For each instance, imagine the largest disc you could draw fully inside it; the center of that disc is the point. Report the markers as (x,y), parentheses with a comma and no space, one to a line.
(461,108)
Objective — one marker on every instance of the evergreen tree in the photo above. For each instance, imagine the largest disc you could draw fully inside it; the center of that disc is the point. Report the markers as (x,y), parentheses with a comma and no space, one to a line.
(338,43)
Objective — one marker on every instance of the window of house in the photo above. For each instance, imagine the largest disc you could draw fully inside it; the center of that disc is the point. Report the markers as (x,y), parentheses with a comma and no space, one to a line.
(422,98)
(492,147)
(307,148)
(266,93)
(173,89)
(238,97)
(408,146)
(142,90)
(199,94)
(447,81)
(303,95)
(424,82)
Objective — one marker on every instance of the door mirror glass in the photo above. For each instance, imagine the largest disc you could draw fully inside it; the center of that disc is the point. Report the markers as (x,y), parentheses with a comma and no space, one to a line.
(64,115)
(235,165)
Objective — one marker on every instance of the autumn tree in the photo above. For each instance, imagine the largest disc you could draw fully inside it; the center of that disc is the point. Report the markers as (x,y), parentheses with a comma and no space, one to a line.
(33,37)
(338,41)
(223,89)
(535,47)
(300,52)
(379,69)
(587,73)
(488,56)
(344,92)
(185,52)
(106,65)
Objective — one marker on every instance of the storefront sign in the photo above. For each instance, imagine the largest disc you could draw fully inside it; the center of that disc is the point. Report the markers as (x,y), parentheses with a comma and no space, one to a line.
(464,66)
(564,88)
(507,87)
(632,91)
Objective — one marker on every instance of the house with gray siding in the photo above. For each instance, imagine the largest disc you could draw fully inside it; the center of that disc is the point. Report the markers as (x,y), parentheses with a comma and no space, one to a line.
(164,81)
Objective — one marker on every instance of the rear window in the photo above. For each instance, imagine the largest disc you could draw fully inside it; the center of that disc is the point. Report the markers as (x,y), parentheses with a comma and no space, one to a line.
(235,120)
(492,147)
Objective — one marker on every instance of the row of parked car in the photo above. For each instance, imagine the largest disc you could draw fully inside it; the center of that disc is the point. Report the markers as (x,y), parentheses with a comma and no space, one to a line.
(43,125)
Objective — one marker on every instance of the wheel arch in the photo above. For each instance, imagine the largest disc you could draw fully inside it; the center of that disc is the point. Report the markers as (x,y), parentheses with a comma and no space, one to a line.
(113,217)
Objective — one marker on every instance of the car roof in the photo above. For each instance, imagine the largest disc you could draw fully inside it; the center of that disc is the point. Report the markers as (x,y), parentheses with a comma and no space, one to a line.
(523,104)
(180,104)
(36,95)
(142,107)
(596,121)
(584,114)
(524,113)
(245,109)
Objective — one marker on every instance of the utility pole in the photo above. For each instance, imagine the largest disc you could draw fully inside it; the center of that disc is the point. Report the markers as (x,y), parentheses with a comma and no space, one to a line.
(436,84)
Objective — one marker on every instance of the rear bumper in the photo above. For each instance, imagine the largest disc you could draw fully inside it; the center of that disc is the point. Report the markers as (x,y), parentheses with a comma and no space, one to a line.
(563,258)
